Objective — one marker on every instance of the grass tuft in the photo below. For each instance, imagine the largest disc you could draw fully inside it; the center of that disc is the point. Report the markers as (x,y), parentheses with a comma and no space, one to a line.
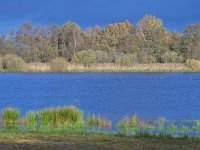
(10,118)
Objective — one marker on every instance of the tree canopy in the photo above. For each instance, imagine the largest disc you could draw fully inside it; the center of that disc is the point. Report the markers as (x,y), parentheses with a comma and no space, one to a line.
(146,42)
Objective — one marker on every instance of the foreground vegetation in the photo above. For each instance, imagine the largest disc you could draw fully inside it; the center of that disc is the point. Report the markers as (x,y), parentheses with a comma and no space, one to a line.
(93,141)
(70,119)
(120,45)
(68,127)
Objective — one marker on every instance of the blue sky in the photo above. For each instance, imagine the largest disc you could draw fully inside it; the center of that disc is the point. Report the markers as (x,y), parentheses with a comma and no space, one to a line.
(176,14)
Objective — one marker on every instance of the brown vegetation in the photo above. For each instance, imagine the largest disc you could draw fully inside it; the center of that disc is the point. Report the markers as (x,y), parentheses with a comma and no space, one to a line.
(45,67)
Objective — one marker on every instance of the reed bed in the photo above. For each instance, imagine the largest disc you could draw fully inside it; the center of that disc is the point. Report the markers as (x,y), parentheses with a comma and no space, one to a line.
(60,117)
(38,67)
(69,119)
(32,120)
(110,67)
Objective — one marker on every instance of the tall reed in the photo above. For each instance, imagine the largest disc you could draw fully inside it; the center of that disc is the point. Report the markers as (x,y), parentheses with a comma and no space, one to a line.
(32,119)
(97,122)
(10,118)
(61,116)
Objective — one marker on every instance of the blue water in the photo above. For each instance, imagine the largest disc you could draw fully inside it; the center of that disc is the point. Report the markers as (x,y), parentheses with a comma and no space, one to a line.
(171,95)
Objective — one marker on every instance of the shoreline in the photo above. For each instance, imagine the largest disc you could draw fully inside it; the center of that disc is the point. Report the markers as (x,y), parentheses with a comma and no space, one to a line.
(107,68)
(93,141)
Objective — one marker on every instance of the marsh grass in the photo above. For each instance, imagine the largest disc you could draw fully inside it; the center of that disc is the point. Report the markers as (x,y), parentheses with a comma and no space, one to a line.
(32,120)
(10,118)
(38,67)
(69,120)
(111,67)
(100,122)
(130,125)
(60,117)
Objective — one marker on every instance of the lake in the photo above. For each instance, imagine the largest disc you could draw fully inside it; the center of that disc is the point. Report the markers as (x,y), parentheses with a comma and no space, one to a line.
(148,95)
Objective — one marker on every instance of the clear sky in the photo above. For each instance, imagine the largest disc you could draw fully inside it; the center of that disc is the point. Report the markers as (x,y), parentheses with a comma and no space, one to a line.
(176,14)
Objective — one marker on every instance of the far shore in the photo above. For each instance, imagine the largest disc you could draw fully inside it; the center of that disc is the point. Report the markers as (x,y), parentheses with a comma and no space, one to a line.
(173,67)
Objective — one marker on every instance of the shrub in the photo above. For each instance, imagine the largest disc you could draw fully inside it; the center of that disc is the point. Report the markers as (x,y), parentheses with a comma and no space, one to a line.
(145,58)
(58,64)
(133,58)
(171,57)
(193,64)
(10,118)
(112,56)
(13,63)
(142,57)
(101,57)
(150,59)
(87,57)
(126,59)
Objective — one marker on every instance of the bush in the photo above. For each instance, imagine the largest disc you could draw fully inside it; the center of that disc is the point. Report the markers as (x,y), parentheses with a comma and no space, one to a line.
(101,57)
(150,59)
(142,57)
(193,64)
(171,57)
(112,56)
(10,118)
(126,60)
(13,63)
(133,58)
(58,64)
(87,57)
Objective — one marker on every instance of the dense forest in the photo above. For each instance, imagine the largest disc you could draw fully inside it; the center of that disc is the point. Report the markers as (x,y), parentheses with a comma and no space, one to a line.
(122,43)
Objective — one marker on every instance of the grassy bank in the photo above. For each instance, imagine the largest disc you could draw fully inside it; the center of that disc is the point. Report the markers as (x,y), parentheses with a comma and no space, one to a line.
(93,141)
(40,67)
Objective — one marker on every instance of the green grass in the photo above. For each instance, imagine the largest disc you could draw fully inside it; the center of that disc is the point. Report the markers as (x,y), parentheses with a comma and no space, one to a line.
(100,122)
(10,118)
(69,119)
(61,116)
(32,120)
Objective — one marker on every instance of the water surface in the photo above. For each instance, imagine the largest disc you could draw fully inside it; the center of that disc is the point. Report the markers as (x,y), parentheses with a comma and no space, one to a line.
(149,95)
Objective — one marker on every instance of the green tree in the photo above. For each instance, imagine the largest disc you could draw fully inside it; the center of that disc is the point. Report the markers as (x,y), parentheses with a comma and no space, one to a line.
(114,34)
(191,41)
(156,37)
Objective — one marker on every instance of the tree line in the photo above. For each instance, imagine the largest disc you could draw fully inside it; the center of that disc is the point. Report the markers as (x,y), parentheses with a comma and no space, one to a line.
(122,43)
